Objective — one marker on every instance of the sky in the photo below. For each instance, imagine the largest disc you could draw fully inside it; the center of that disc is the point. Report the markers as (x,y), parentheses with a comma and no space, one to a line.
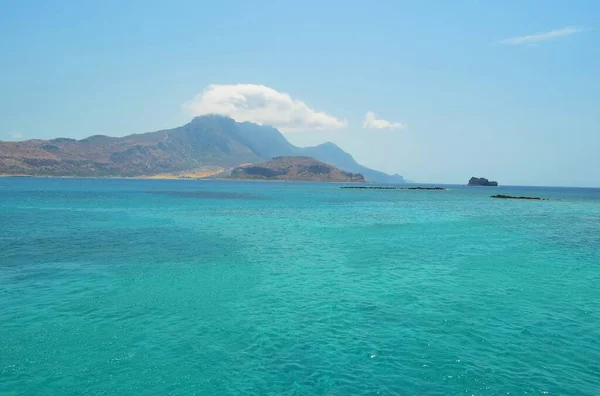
(437,91)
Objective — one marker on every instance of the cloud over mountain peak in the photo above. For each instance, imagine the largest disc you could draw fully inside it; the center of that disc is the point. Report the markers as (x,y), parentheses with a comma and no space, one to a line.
(262,105)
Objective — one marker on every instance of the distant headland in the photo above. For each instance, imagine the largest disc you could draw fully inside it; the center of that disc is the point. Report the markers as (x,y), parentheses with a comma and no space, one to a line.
(294,169)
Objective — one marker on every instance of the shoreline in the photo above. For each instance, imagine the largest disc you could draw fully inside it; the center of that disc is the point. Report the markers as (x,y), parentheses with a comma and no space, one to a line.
(172,178)
(505,186)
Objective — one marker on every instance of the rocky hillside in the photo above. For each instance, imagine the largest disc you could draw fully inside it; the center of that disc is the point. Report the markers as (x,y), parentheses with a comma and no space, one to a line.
(205,141)
(295,168)
(482,181)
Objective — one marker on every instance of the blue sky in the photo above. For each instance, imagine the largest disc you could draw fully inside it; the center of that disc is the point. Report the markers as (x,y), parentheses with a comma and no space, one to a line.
(509,90)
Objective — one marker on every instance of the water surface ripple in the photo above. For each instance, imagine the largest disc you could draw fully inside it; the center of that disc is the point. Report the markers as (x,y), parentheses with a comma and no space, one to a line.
(234,288)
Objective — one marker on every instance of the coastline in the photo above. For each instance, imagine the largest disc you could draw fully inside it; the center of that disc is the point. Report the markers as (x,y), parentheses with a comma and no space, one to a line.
(208,178)
(104,177)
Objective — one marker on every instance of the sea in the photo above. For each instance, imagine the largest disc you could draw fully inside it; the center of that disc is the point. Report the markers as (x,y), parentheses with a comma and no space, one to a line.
(182,287)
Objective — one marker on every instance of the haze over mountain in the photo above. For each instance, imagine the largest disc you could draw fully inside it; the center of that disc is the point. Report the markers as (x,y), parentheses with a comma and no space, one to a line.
(206,141)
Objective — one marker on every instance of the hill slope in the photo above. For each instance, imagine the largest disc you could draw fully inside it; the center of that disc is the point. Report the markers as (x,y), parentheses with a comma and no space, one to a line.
(205,141)
(332,154)
(295,168)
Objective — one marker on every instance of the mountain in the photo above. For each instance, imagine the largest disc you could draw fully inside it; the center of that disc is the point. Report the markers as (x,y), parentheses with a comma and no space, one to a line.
(295,168)
(332,154)
(206,141)
(268,142)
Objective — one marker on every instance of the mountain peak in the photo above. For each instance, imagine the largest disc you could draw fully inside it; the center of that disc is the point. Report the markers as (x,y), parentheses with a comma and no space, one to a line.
(211,117)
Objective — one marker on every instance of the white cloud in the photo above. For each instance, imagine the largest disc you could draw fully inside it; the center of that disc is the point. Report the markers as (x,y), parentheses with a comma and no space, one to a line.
(262,105)
(538,37)
(373,122)
(15,135)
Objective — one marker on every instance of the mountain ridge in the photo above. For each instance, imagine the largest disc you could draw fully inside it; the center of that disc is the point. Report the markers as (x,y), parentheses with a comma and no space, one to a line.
(210,140)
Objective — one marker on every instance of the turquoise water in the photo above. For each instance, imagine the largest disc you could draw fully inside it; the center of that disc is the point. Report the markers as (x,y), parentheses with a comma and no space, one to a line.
(234,288)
